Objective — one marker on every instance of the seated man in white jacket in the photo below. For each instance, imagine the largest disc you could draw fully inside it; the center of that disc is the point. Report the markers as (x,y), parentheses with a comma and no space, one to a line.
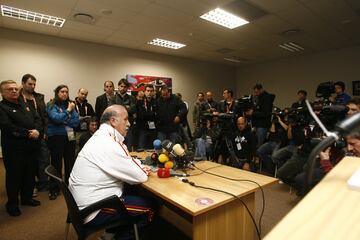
(104,165)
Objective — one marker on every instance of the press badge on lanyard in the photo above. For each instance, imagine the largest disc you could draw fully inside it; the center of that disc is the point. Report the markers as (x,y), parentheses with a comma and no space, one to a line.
(70,133)
(151,125)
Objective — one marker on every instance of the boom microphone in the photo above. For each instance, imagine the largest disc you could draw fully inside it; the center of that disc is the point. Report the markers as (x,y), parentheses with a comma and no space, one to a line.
(349,125)
(166,172)
(344,128)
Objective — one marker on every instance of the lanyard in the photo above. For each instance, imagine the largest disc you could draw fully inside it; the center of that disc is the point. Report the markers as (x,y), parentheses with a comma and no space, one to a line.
(78,110)
(32,99)
(228,106)
(146,104)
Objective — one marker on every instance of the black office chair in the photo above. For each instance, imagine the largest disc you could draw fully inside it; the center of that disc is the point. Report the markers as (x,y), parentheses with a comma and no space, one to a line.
(77,216)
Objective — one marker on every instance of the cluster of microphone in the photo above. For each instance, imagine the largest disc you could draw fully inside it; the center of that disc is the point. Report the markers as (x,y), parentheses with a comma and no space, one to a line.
(167,156)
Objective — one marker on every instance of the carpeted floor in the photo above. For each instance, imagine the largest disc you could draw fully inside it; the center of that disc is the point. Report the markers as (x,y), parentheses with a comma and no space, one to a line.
(47,222)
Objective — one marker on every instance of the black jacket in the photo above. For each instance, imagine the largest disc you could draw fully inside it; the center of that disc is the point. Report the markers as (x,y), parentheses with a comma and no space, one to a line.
(40,108)
(100,105)
(263,109)
(244,143)
(167,110)
(16,119)
(83,110)
(145,112)
(129,102)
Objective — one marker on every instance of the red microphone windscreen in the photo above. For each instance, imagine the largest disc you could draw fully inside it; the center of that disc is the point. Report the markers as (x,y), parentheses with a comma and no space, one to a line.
(163,172)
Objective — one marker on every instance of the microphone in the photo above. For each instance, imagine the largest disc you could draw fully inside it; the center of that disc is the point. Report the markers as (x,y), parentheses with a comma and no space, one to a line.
(166,172)
(169,147)
(179,150)
(157,144)
(344,128)
(349,125)
(336,108)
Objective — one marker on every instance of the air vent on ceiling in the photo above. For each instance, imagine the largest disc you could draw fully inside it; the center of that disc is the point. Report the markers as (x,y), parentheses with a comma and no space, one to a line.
(290,32)
(245,9)
(84,18)
(225,50)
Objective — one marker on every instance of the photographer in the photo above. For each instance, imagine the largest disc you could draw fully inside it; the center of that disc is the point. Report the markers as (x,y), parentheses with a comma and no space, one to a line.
(341,97)
(226,115)
(301,100)
(244,142)
(353,105)
(205,138)
(261,115)
(277,139)
(209,106)
(297,121)
(328,159)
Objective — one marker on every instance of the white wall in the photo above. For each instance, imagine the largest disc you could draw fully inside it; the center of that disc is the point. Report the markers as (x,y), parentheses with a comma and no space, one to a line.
(55,61)
(285,77)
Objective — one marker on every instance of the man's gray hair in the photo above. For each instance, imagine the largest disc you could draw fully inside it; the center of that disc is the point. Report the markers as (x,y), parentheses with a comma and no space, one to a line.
(107,115)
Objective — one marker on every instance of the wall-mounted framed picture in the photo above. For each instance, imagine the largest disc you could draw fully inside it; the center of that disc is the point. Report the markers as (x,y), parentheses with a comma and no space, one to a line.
(356,88)
(138,82)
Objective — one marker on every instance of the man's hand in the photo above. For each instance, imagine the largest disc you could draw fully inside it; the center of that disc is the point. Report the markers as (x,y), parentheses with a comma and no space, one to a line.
(325,155)
(146,169)
(34,134)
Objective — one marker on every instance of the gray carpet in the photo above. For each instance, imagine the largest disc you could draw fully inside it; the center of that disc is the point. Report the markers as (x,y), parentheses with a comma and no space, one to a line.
(47,222)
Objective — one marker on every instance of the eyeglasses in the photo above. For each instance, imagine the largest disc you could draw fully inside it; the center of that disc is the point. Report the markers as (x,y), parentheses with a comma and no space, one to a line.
(11,89)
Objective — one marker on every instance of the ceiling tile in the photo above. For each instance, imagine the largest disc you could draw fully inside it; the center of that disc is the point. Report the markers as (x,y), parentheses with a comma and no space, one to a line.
(324,25)
(272,23)
(275,6)
(86,28)
(84,36)
(189,7)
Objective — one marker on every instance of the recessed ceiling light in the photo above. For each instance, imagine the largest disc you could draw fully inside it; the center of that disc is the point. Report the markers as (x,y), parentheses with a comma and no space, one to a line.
(26,15)
(224,18)
(165,43)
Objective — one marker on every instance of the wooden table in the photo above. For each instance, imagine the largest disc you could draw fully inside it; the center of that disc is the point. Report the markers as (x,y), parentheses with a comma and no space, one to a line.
(224,217)
(330,211)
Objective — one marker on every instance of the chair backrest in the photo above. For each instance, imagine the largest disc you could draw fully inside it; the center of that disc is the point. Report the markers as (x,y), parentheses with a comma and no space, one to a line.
(73,210)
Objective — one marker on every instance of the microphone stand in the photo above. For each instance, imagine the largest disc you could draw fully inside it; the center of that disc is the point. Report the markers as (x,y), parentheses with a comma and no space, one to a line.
(328,141)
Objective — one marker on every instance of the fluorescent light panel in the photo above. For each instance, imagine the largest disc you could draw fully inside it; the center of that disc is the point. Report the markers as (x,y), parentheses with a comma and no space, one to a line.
(224,18)
(292,47)
(26,15)
(232,59)
(165,43)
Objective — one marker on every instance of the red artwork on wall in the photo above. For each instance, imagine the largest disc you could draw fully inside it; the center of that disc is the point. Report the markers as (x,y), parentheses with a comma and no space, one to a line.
(138,82)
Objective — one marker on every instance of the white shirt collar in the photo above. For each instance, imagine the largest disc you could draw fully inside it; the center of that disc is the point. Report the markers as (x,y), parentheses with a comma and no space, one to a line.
(112,131)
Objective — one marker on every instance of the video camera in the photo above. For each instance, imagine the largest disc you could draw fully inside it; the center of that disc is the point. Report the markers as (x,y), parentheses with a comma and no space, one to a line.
(276,112)
(299,116)
(325,89)
(329,114)
(244,104)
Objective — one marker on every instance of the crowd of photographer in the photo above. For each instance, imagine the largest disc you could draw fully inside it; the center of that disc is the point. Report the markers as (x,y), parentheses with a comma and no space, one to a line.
(247,133)
(251,133)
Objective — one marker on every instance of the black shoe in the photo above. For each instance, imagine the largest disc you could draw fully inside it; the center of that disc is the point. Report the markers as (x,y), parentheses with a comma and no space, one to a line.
(31,202)
(53,196)
(13,211)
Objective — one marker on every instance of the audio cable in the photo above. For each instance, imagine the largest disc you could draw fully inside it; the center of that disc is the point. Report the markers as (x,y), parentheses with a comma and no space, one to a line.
(258,226)
(185,180)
